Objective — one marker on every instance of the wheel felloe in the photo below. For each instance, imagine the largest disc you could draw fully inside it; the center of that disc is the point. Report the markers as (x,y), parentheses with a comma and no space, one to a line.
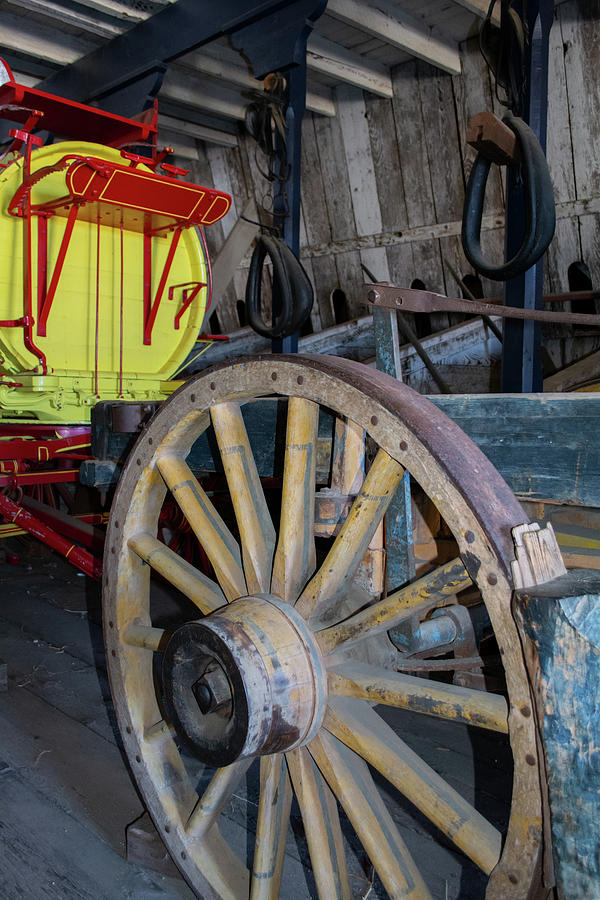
(295,676)
(247,680)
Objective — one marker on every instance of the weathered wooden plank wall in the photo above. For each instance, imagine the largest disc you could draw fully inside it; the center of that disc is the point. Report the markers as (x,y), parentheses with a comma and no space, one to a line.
(383,181)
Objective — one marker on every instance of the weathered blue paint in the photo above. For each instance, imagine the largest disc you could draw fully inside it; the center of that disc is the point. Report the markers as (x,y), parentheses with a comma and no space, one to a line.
(546,446)
(400,556)
(562,621)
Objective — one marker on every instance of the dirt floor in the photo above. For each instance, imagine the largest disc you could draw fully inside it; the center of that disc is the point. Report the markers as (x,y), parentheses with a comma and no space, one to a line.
(67,796)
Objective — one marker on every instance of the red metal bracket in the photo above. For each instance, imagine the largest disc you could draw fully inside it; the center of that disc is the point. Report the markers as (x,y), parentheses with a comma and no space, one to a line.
(153,309)
(173,170)
(70,119)
(16,323)
(190,292)
(45,305)
(22,136)
(45,476)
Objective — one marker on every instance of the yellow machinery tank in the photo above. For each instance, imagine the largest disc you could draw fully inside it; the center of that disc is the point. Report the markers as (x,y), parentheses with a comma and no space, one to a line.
(119,313)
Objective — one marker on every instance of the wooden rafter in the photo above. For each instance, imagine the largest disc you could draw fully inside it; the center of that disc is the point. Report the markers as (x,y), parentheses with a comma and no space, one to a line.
(332,59)
(386,22)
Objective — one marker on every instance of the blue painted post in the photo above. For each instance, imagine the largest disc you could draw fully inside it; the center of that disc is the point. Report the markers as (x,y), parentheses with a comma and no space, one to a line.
(522,343)
(286,198)
(398,520)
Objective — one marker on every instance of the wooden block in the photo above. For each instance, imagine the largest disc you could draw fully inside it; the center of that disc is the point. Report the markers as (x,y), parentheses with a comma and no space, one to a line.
(145,848)
(538,555)
(492,138)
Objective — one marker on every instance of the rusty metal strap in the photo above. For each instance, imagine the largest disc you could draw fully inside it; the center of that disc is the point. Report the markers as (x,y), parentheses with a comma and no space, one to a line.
(411,300)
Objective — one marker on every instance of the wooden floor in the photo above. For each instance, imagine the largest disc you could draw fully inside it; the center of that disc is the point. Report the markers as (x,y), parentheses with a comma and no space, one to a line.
(66,794)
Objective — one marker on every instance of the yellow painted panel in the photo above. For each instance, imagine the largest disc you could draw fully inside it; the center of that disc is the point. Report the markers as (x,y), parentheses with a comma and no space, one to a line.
(70,342)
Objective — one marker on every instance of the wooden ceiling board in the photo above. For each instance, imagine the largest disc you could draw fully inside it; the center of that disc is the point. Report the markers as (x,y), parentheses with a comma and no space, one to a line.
(57,32)
(389,56)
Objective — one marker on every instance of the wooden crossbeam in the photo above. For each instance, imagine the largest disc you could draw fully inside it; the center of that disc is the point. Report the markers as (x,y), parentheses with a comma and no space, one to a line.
(386,22)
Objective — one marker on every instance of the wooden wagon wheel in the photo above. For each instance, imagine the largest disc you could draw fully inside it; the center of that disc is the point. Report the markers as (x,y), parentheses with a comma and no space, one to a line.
(257,673)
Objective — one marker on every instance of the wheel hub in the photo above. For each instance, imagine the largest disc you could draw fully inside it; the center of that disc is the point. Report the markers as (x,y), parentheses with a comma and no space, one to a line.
(247,680)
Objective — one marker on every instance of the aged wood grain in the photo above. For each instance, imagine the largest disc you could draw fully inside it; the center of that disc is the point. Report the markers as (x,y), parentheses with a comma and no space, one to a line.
(326,280)
(590,245)
(318,229)
(564,249)
(352,281)
(410,134)
(559,146)
(442,142)
(581,37)
(386,164)
(359,159)
(217,159)
(336,182)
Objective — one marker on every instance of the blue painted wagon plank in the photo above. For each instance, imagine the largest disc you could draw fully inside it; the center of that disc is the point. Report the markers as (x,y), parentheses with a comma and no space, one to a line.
(560,624)
(546,446)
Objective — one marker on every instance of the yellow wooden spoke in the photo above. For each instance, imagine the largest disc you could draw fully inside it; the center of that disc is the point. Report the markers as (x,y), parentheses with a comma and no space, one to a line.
(321,826)
(385,614)
(257,534)
(220,865)
(433,698)
(350,780)
(295,556)
(271,828)
(222,868)
(348,457)
(159,732)
(144,636)
(201,590)
(355,534)
(358,726)
(221,787)
(217,541)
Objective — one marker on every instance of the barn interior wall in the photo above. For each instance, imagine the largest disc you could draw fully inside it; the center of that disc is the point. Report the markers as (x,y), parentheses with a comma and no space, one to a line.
(383,181)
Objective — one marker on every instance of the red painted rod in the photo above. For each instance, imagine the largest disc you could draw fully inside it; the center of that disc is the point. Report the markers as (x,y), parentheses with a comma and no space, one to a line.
(80,558)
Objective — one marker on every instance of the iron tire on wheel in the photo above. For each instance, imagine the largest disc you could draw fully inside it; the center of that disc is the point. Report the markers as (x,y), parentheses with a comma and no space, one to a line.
(312,730)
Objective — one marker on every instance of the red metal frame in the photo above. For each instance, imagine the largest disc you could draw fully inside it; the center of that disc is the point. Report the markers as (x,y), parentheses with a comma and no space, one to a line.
(116,196)
(130,195)
(75,528)
(29,453)
(70,119)
(82,559)
(43,450)
(41,476)
(44,309)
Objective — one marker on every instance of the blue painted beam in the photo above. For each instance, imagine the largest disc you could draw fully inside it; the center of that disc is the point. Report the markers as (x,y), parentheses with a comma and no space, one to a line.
(179,28)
